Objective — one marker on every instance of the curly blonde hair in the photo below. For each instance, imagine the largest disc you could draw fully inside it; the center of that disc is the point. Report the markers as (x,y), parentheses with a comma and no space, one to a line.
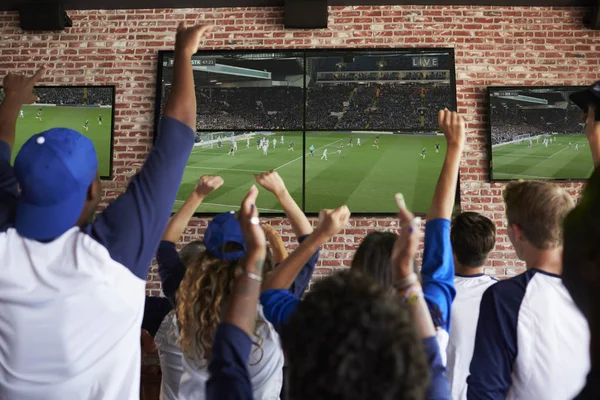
(207,284)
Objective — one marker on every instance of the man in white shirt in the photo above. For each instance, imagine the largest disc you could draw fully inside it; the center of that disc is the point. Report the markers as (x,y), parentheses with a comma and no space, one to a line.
(473,237)
(532,342)
(72,290)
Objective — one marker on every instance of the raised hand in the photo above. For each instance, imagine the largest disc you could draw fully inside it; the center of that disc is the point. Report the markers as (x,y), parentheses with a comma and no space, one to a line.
(207,184)
(331,222)
(453,126)
(256,243)
(271,181)
(407,243)
(19,88)
(188,39)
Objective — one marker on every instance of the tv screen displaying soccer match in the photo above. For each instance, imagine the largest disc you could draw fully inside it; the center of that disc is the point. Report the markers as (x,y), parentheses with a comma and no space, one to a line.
(537,133)
(88,110)
(348,127)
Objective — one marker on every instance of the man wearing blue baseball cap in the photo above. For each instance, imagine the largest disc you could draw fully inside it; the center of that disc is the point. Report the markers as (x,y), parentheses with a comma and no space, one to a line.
(72,289)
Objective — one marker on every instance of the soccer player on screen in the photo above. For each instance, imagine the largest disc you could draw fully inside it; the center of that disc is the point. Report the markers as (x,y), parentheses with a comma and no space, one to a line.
(291,146)
(577,147)
(530,143)
(324,156)
(231,151)
(376,142)
(234,145)
(87,125)
(437,147)
(220,143)
(340,147)
(21,114)
(312,150)
(350,141)
(266,148)
(274,143)
(570,144)
(100,118)
(423,151)
(282,139)
(39,114)
(358,142)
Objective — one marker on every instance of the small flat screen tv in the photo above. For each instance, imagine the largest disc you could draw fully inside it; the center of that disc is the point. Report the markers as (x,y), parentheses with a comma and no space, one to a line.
(86,109)
(340,126)
(537,133)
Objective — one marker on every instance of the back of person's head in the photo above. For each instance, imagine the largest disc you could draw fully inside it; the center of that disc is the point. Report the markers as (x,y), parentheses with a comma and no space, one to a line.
(473,237)
(351,339)
(373,257)
(57,172)
(581,253)
(538,210)
(207,283)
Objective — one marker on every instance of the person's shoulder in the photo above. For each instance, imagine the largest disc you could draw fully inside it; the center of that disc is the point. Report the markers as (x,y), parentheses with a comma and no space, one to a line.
(511,288)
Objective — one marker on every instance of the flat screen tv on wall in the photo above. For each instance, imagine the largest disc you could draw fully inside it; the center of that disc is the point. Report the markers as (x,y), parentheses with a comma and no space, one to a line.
(86,109)
(537,133)
(340,126)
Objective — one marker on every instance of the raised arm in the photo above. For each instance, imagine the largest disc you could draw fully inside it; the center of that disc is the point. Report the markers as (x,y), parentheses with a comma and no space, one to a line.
(409,290)
(276,243)
(178,222)
(592,131)
(18,90)
(330,223)
(453,127)
(437,271)
(229,378)
(131,227)
(272,182)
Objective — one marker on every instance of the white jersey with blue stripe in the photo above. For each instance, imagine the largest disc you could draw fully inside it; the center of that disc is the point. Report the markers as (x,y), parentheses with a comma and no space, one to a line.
(532,341)
(465,313)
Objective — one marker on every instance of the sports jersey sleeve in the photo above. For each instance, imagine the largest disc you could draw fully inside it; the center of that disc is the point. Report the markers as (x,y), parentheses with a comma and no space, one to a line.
(278,306)
(8,188)
(170,269)
(229,378)
(439,387)
(131,227)
(303,279)
(438,270)
(496,340)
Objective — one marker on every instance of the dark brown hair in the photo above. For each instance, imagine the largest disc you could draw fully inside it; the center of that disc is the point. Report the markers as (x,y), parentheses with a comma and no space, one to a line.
(473,236)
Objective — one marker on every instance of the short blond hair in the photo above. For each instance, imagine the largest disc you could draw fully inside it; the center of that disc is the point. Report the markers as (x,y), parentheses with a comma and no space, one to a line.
(538,208)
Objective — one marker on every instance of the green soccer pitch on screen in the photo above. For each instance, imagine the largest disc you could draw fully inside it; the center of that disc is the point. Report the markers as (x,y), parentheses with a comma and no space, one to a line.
(86,109)
(537,133)
(348,127)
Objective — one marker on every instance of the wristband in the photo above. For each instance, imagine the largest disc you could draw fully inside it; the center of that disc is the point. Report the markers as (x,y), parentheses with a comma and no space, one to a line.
(406,282)
(255,277)
(412,295)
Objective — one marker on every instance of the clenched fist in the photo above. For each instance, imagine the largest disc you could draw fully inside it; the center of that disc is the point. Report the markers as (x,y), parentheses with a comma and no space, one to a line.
(331,222)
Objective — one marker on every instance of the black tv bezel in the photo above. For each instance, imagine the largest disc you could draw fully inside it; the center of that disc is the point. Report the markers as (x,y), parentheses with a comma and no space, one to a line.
(162,54)
(490,158)
(112,125)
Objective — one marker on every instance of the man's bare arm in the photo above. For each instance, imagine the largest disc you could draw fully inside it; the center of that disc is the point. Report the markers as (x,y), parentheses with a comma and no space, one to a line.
(592,131)
(453,126)
(18,90)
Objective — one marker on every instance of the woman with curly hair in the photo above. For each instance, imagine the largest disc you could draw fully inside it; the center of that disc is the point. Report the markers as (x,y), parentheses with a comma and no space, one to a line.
(201,275)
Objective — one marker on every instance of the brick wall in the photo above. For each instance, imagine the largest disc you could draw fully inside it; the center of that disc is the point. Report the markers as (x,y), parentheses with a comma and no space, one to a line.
(494,46)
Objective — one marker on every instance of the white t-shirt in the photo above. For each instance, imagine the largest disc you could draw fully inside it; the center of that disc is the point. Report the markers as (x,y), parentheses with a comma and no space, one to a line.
(265,367)
(465,313)
(170,356)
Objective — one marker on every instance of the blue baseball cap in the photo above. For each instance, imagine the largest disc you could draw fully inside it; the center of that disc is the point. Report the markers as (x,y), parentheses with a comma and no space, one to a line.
(54,170)
(224,228)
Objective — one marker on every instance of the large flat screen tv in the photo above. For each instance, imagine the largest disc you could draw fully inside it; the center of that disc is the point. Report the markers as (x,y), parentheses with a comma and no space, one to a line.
(86,109)
(537,133)
(340,126)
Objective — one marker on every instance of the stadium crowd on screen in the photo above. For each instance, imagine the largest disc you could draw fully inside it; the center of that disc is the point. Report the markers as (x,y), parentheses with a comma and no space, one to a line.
(235,322)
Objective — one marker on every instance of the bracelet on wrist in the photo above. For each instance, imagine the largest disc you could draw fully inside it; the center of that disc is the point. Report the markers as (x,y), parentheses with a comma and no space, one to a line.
(254,277)
(404,283)
(412,294)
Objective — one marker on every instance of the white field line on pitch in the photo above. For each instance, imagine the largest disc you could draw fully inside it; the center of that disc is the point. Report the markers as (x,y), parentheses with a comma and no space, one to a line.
(566,147)
(232,206)
(229,169)
(299,158)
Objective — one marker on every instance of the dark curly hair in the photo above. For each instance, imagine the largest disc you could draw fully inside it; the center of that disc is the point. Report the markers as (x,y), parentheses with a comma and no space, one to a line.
(350,339)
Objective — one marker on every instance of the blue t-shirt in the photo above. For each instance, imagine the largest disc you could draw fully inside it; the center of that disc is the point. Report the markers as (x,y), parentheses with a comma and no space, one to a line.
(437,272)
(229,377)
